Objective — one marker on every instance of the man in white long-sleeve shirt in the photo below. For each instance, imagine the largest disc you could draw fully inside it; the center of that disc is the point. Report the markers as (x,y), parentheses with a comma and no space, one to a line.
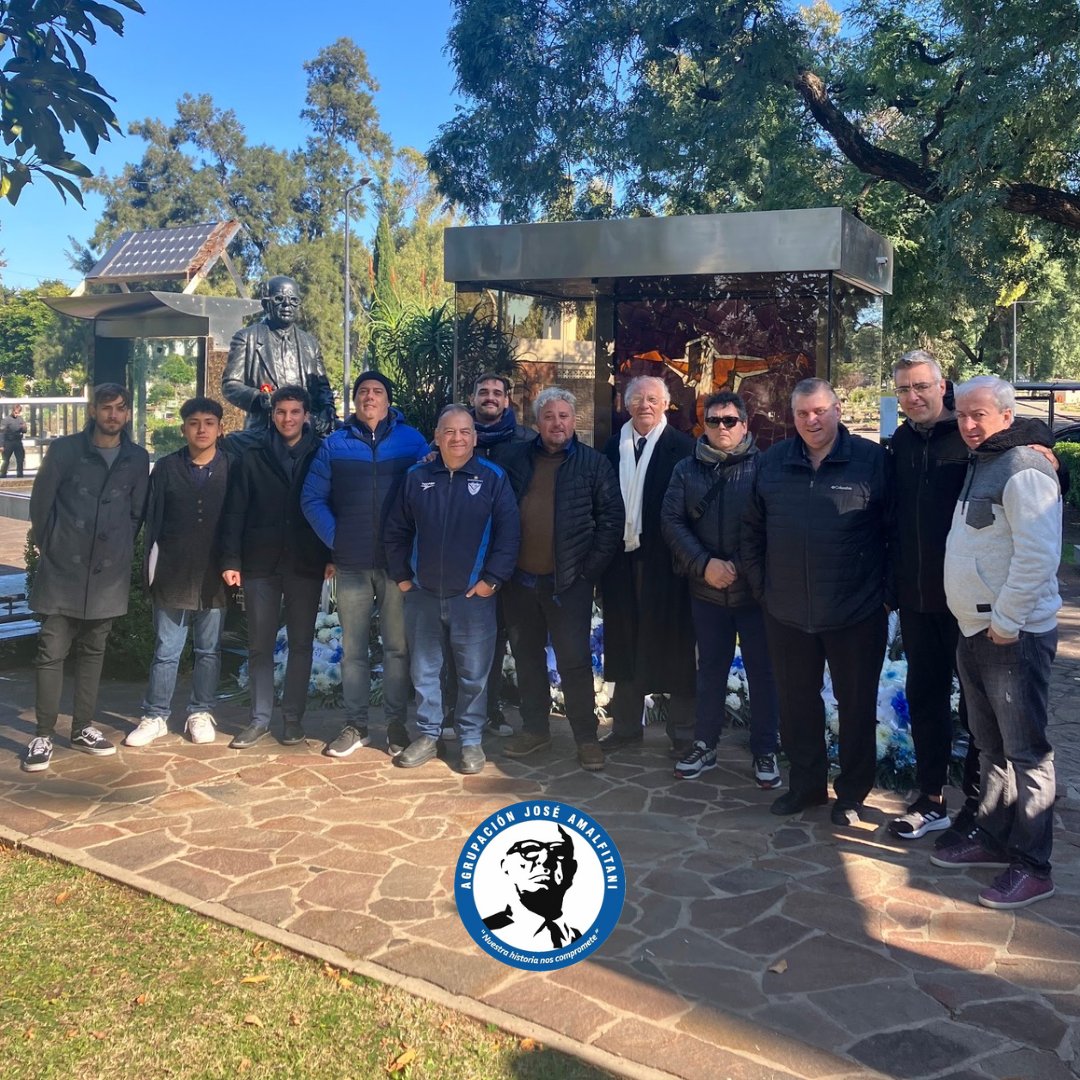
(1001,562)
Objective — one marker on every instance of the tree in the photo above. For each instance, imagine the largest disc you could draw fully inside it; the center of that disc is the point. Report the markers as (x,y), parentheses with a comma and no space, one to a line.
(46,90)
(948,127)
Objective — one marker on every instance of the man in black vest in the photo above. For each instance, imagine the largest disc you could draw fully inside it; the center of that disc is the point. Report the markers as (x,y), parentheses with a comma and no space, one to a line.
(269,547)
(187,496)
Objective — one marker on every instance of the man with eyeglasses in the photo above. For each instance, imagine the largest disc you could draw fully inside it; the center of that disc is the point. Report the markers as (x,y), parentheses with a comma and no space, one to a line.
(700,520)
(648,629)
(815,548)
(541,870)
(930,460)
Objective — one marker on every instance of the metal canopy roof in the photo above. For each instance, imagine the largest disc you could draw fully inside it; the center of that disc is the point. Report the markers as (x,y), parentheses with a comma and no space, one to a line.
(578,259)
(157,314)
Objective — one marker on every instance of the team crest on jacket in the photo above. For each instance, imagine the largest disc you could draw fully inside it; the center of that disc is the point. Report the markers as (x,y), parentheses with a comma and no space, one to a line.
(475,484)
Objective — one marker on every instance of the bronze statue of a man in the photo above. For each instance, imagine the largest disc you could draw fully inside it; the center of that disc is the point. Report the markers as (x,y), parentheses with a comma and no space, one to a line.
(275,352)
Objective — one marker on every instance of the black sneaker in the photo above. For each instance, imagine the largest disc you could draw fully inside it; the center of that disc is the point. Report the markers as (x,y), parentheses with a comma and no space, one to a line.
(922,816)
(293,733)
(349,740)
(249,736)
(91,741)
(497,725)
(695,761)
(38,754)
(959,830)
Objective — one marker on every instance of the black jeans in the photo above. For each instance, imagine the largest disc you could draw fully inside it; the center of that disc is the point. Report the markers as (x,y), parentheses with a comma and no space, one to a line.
(58,636)
(531,615)
(930,639)
(854,654)
(20,458)
(262,601)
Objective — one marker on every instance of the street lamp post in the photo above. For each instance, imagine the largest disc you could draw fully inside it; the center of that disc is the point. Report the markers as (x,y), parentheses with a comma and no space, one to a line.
(347,353)
(1014,303)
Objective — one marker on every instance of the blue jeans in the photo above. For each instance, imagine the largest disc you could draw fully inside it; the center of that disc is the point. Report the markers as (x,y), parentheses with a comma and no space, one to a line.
(262,600)
(171,630)
(357,593)
(716,627)
(1007,688)
(469,625)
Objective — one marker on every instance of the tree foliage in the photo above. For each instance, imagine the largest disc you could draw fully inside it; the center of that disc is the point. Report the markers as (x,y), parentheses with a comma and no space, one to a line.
(948,126)
(46,91)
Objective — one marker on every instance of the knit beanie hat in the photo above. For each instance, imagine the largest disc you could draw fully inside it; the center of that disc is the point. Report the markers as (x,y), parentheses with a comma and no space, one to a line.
(374,376)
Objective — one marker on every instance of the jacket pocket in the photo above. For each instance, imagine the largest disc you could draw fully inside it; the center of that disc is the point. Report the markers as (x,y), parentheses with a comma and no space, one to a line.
(966,591)
(979,513)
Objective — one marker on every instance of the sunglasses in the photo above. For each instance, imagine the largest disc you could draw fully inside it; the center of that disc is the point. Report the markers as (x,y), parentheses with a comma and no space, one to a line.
(727,421)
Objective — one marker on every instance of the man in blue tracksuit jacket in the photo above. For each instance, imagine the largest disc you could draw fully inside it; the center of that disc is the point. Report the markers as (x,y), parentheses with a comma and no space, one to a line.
(353,481)
(451,541)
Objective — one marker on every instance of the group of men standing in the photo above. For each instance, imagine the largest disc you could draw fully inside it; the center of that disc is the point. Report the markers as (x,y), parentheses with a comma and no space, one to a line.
(496,533)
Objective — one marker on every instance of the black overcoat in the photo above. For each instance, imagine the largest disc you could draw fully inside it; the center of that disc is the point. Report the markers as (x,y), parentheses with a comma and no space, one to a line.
(655,643)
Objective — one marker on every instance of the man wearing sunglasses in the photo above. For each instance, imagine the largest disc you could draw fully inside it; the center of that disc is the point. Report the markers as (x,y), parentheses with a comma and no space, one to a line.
(700,521)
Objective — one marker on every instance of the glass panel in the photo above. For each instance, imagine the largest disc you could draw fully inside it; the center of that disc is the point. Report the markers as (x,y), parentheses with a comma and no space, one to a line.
(163,374)
(857,370)
(758,335)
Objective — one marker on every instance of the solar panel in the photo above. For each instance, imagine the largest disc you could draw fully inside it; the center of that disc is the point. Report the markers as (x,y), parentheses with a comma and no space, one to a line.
(183,252)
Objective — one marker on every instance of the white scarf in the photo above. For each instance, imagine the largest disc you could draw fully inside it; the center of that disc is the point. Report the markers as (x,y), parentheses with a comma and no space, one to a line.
(632,477)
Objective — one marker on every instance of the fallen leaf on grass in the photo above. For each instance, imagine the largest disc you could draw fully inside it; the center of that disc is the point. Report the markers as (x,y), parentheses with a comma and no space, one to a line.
(253,1020)
(245,1064)
(344,980)
(72,1033)
(140,1000)
(258,947)
(779,967)
(61,897)
(529,1045)
(294,1019)
(406,1057)
(274,956)
(28,1034)
(251,980)
(99,1035)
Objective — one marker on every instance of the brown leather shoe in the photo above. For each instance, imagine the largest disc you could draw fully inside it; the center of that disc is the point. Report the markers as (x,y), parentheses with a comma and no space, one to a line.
(590,756)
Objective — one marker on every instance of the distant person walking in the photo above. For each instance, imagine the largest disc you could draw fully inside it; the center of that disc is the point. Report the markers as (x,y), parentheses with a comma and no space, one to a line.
(12,430)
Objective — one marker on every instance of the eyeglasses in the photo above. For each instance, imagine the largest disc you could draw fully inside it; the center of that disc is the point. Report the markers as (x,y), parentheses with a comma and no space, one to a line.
(534,850)
(727,421)
(914,388)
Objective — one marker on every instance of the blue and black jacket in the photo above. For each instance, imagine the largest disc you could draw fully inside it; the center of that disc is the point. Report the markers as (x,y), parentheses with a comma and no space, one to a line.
(352,483)
(450,529)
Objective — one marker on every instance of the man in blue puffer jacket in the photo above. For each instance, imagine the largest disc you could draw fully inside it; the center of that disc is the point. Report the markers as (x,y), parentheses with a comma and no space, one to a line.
(350,488)
(451,541)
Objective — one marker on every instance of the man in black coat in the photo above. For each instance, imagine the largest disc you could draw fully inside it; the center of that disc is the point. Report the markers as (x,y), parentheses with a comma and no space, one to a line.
(814,548)
(276,352)
(571,523)
(269,547)
(85,509)
(648,627)
(183,518)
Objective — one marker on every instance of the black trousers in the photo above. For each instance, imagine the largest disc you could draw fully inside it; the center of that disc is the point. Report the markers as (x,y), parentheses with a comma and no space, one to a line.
(20,457)
(930,639)
(531,615)
(60,635)
(854,654)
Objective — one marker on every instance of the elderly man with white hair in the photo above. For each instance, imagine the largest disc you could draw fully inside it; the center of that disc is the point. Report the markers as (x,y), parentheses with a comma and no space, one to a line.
(648,627)
(1001,563)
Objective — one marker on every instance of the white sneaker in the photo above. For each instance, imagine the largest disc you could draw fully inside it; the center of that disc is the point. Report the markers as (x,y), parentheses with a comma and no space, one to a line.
(200,727)
(149,729)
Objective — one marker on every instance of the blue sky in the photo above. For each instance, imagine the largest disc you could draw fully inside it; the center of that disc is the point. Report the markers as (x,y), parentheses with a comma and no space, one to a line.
(248,56)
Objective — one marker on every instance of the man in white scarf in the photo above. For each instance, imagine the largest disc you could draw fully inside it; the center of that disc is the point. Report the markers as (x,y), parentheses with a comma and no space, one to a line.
(648,632)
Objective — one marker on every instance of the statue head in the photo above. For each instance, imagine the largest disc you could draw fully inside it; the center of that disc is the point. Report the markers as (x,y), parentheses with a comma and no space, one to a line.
(281,301)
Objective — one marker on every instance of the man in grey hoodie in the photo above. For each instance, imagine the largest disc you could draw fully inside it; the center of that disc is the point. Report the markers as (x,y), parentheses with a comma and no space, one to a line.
(1001,562)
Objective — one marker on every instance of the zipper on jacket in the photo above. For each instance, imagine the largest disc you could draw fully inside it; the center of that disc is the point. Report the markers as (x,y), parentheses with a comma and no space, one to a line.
(445,520)
(806,553)
(918,519)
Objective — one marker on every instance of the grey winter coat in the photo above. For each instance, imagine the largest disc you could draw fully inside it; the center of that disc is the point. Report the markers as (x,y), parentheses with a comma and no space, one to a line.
(84,517)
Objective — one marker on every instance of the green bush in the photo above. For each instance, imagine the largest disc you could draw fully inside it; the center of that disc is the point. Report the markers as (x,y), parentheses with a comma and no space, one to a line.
(164,436)
(1069,455)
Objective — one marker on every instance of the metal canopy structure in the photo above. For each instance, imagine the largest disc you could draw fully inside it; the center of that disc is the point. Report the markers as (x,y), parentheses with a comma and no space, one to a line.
(157,314)
(584,259)
(187,253)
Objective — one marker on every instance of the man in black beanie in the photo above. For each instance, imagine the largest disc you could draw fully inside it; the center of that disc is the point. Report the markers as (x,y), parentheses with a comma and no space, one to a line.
(352,484)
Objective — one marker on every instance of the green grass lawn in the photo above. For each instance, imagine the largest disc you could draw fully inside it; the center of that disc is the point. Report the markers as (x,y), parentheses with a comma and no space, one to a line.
(100,981)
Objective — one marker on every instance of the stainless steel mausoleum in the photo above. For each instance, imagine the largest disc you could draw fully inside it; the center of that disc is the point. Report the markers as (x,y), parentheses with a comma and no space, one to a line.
(751,302)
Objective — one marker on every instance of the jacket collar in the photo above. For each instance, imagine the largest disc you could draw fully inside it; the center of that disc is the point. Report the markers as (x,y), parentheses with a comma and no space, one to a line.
(571,446)
(841,451)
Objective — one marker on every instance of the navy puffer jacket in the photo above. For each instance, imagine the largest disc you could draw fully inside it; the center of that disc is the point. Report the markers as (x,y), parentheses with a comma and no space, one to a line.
(815,544)
(715,534)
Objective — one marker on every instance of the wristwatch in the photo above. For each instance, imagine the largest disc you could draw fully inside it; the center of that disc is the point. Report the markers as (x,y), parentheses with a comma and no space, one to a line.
(492,585)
